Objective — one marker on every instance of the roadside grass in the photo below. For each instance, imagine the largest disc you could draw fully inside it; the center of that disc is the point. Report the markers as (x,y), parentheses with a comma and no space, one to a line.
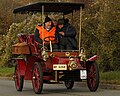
(6,72)
(112,77)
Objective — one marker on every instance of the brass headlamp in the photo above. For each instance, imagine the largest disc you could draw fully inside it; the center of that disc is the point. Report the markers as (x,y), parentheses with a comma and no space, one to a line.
(82,55)
(72,64)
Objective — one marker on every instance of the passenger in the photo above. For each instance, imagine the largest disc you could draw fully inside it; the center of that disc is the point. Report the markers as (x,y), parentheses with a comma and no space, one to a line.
(66,35)
(49,30)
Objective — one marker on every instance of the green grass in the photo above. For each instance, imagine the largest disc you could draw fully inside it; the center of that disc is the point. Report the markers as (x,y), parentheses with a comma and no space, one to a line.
(6,72)
(112,77)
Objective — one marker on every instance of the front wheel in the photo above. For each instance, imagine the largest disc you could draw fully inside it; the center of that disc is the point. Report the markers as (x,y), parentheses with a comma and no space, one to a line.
(92,76)
(69,84)
(19,80)
(37,78)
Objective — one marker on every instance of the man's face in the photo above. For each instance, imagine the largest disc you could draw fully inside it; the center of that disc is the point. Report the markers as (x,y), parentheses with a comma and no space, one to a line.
(60,26)
(48,25)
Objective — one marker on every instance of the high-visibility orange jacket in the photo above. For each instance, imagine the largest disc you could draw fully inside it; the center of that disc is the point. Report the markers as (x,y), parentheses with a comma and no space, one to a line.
(44,33)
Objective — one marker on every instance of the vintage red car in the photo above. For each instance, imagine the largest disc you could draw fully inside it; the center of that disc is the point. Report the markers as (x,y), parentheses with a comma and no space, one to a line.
(49,66)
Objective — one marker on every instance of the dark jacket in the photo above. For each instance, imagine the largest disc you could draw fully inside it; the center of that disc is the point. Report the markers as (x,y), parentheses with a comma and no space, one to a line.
(70,34)
(37,37)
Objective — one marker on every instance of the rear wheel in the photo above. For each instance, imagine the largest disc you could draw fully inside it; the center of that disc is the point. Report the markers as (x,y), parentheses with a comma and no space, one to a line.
(19,80)
(37,78)
(69,84)
(92,76)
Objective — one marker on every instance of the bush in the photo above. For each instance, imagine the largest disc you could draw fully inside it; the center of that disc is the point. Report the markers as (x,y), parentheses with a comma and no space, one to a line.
(100,33)
(11,37)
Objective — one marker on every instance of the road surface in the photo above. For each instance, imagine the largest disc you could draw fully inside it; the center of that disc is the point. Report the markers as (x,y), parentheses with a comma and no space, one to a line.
(7,88)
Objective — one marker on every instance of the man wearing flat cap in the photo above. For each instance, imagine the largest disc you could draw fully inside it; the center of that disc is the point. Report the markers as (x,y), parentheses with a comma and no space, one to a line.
(46,32)
(66,35)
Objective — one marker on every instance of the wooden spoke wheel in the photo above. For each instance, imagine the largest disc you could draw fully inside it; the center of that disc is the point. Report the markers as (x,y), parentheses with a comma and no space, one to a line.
(19,80)
(37,78)
(69,84)
(92,76)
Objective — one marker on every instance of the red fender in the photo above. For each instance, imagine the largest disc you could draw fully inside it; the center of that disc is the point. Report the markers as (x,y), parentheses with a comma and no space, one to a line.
(22,65)
(93,58)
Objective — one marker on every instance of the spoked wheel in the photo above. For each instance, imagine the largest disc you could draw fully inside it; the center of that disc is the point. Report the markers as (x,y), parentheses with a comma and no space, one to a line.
(92,76)
(19,80)
(37,78)
(69,84)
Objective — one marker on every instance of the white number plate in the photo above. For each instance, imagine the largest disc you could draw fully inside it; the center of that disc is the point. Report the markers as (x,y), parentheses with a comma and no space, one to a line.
(83,74)
(59,67)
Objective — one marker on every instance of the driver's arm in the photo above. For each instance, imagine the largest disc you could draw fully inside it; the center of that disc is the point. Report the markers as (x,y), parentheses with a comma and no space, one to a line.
(37,37)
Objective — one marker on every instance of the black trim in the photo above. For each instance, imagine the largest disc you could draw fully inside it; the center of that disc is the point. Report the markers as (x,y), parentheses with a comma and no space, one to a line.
(62,7)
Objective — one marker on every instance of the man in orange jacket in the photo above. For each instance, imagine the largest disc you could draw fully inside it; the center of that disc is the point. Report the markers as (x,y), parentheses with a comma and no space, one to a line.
(46,33)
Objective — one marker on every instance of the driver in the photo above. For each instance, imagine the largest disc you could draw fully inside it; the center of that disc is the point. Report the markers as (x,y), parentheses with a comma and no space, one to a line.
(46,30)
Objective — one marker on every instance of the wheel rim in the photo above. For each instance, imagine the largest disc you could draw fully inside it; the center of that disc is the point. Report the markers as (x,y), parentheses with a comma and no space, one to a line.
(17,78)
(36,78)
(92,76)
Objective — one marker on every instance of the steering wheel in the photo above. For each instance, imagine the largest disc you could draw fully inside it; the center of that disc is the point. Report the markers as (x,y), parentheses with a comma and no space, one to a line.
(50,38)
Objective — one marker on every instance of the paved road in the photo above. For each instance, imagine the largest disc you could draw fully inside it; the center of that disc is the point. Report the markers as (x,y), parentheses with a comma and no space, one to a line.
(7,88)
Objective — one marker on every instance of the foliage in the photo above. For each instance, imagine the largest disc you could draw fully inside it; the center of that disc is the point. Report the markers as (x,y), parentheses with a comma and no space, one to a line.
(100,31)
(6,17)
(11,37)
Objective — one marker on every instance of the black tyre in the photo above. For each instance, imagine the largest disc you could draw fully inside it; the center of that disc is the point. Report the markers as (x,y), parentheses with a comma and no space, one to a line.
(69,84)
(92,76)
(37,78)
(19,80)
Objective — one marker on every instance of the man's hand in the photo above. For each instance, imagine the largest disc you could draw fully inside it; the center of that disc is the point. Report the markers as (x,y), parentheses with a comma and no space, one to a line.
(62,33)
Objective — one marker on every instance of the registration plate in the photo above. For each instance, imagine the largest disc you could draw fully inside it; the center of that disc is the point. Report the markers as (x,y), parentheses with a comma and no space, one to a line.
(83,74)
(59,67)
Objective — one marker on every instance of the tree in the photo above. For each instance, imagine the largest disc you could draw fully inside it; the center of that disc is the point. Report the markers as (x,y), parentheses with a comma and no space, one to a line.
(5,15)
(102,23)
(11,37)
(100,31)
